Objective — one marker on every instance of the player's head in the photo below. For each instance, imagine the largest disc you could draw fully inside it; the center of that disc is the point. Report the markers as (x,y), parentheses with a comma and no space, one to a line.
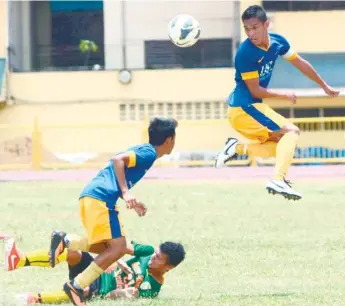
(255,24)
(162,133)
(167,256)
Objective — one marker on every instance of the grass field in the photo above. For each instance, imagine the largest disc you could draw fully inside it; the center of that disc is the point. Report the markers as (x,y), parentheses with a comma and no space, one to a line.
(244,247)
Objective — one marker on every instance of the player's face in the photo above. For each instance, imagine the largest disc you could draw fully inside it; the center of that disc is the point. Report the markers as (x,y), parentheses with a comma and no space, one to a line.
(159,260)
(170,144)
(256,30)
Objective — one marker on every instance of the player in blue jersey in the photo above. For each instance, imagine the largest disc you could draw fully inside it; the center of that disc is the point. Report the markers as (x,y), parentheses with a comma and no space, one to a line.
(98,206)
(271,135)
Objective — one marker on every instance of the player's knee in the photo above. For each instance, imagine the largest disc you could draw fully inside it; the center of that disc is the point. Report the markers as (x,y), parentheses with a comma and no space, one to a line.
(291,128)
(295,130)
(73,257)
(118,247)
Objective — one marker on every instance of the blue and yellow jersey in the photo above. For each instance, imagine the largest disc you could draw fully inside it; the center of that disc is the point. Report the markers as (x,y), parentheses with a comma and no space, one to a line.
(105,187)
(253,62)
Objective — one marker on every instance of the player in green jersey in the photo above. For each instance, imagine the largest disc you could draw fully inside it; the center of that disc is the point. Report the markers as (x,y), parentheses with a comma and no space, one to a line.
(142,275)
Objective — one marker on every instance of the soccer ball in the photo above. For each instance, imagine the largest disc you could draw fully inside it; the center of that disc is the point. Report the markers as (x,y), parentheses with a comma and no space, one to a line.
(184,31)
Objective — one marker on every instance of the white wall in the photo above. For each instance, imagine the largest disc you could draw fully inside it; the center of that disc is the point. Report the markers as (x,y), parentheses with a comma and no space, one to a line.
(148,20)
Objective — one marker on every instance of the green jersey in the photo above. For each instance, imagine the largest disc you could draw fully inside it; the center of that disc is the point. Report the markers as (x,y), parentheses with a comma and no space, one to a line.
(139,265)
(118,279)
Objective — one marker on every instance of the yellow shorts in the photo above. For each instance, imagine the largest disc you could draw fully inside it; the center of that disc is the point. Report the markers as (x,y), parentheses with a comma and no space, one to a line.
(256,121)
(101,223)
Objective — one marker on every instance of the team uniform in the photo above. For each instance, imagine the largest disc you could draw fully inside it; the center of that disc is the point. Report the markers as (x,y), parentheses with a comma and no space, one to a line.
(111,279)
(117,279)
(255,120)
(247,114)
(98,208)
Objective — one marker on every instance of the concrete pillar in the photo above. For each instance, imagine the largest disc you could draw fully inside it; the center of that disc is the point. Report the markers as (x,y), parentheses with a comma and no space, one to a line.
(26,35)
(112,34)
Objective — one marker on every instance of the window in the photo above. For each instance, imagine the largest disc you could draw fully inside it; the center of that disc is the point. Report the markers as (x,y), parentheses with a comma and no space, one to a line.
(303,5)
(59,27)
(330,65)
(334,112)
(306,112)
(285,112)
(207,53)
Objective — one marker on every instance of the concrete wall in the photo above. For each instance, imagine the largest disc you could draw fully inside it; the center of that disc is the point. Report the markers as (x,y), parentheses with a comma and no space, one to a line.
(3,28)
(307,31)
(148,20)
(3,48)
(312,32)
(152,85)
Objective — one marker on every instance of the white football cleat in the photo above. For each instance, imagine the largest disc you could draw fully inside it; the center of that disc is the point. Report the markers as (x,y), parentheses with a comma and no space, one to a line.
(228,153)
(283,188)
(24,299)
(12,255)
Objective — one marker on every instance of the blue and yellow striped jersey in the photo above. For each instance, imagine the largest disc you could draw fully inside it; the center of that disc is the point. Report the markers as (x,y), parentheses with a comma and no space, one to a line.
(253,62)
(105,187)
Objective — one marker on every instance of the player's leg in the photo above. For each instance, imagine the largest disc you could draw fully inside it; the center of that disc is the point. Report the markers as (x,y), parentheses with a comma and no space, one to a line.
(16,259)
(103,225)
(77,263)
(284,155)
(259,122)
(251,129)
(31,298)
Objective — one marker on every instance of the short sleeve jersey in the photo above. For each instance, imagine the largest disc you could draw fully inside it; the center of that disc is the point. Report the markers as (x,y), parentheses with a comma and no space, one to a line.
(253,62)
(105,187)
(117,279)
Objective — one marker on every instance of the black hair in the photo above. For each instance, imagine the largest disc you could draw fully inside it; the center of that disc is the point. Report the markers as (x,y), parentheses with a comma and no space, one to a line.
(254,11)
(160,129)
(174,251)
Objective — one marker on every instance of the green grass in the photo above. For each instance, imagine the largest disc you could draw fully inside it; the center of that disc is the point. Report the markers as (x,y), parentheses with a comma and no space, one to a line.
(244,247)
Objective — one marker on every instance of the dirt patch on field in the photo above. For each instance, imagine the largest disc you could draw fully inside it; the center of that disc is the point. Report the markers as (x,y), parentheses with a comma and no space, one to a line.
(19,151)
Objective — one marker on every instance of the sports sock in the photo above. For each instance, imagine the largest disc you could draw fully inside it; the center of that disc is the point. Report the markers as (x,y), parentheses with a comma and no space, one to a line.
(39,259)
(51,297)
(266,149)
(91,273)
(285,152)
(76,243)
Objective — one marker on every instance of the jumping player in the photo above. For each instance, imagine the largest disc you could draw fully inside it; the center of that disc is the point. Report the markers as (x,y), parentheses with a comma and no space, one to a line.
(272,135)
(98,207)
(142,275)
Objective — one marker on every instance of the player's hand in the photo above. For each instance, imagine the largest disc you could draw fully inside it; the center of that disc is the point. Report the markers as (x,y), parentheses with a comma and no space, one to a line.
(135,292)
(124,267)
(140,209)
(331,91)
(86,291)
(138,281)
(111,268)
(292,97)
(132,293)
(130,200)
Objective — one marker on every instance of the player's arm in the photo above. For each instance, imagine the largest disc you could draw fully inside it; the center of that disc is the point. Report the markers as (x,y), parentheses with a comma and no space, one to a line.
(308,70)
(248,69)
(131,159)
(121,161)
(288,54)
(139,250)
(263,93)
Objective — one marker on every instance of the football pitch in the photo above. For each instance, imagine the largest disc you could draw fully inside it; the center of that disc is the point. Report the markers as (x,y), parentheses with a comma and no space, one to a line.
(244,247)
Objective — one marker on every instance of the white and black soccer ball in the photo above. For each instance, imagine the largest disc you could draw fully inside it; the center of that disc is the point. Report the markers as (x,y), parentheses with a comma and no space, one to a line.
(184,30)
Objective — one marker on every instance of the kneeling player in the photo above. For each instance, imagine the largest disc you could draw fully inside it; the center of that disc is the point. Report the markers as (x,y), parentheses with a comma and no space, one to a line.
(142,275)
